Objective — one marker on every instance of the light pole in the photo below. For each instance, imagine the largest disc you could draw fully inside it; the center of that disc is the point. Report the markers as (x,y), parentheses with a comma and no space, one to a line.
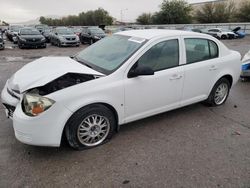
(122,10)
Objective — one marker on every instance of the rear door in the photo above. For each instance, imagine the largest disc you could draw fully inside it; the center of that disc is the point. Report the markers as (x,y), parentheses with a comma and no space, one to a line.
(202,64)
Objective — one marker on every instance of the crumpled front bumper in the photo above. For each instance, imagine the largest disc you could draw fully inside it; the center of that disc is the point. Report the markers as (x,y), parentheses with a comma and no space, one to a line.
(43,130)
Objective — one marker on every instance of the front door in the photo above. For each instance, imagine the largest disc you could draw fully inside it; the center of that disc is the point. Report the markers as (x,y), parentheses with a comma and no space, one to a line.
(149,95)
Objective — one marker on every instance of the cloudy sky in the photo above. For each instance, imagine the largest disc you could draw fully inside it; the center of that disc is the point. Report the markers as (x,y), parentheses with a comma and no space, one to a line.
(14,11)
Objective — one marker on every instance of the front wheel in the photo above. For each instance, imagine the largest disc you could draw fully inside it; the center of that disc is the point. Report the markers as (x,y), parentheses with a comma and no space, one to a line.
(91,41)
(90,126)
(219,93)
(223,37)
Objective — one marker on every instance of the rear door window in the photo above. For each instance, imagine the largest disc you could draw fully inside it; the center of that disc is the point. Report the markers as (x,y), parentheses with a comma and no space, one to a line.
(200,50)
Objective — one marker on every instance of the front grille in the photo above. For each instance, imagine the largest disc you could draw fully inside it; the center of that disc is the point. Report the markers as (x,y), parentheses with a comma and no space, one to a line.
(33,40)
(11,109)
(71,38)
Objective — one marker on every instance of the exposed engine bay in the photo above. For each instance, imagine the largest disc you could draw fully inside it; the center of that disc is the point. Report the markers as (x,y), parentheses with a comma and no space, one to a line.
(62,82)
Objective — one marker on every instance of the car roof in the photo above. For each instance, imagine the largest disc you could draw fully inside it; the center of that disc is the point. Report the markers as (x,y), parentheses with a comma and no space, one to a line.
(152,33)
(31,28)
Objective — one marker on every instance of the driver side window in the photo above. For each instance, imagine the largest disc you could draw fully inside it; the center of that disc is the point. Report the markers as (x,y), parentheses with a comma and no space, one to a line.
(161,56)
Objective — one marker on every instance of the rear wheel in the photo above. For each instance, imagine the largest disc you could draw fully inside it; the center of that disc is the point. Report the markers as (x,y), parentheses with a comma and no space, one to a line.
(219,93)
(90,126)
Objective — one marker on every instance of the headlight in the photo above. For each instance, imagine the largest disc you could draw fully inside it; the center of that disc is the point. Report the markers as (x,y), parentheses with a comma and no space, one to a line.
(96,37)
(22,39)
(34,105)
(43,39)
(61,38)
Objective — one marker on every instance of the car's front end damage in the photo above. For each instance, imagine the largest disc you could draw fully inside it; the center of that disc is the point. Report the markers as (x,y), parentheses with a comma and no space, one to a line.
(27,99)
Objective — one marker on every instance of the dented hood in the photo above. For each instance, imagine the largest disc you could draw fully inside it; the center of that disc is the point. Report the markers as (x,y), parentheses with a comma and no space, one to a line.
(45,70)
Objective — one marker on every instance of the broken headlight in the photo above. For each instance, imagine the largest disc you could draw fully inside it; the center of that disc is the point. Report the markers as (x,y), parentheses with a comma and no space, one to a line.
(34,104)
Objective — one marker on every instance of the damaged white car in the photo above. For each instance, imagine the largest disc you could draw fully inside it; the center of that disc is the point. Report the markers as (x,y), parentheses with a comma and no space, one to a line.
(128,76)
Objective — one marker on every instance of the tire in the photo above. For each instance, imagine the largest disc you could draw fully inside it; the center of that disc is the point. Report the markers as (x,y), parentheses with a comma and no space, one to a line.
(20,46)
(52,42)
(81,135)
(213,99)
(59,44)
(223,37)
(91,41)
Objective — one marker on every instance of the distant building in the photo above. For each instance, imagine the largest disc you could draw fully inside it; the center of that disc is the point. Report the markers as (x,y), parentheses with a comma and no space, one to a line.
(197,6)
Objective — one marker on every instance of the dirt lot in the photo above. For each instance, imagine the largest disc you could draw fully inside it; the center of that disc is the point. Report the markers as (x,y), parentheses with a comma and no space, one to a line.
(195,146)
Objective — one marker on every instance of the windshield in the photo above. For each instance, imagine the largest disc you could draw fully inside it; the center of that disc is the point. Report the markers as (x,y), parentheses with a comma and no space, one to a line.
(110,53)
(225,30)
(64,31)
(96,31)
(29,32)
(77,30)
(15,29)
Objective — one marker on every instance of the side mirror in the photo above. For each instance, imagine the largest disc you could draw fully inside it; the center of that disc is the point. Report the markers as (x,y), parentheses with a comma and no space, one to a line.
(140,71)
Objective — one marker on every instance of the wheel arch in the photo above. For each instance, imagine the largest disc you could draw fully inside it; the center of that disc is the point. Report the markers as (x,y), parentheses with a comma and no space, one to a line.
(229,78)
(110,107)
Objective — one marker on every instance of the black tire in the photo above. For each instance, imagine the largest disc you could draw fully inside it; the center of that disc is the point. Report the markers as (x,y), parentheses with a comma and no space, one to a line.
(71,128)
(20,46)
(211,98)
(51,42)
(91,41)
(223,37)
(59,44)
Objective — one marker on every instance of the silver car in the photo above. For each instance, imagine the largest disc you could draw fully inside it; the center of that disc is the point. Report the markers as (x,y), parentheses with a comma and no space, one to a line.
(63,36)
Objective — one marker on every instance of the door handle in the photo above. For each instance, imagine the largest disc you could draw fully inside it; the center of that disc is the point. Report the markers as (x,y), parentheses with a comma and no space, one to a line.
(175,77)
(212,68)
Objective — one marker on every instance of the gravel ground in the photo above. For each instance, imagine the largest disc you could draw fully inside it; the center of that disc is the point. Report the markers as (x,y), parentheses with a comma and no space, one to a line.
(194,146)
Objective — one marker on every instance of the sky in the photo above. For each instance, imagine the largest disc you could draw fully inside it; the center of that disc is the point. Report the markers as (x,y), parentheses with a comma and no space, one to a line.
(16,11)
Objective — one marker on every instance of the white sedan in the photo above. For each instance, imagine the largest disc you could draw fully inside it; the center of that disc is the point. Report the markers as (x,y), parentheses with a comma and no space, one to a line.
(126,77)
(222,33)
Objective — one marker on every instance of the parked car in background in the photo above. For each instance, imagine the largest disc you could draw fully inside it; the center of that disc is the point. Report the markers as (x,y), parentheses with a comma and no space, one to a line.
(90,35)
(29,37)
(245,74)
(63,36)
(123,78)
(221,33)
(46,34)
(1,43)
(1,32)
(191,29)
(77,30)
(240,34)
(42,27)
(13,31)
